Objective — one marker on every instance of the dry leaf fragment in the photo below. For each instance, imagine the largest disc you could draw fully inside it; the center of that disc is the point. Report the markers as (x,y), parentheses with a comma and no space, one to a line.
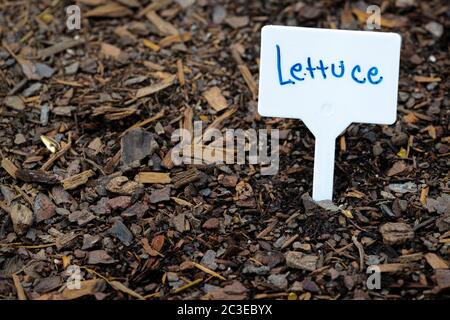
(207,270)
(50,144)
(410,118)
(22,218)
(87,288)
(397,168)
(432,131)
(158,242)
(424,196)
(402,153)
(121,287)
(215,98)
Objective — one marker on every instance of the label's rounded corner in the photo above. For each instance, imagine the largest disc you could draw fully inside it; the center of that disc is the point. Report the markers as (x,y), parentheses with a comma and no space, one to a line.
(397,36)
(262,113)
(393,119)
(267,27)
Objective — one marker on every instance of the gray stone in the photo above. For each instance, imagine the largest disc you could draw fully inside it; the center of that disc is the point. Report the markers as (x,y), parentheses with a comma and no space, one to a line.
(160,195)
(219,14)
(209,260)
(43,207)
(328,205)
(99,257)
(405,3)
(72,68)
(403,187)
(298,260)
(121,232)
(435,28)
(278,281)
(19,139)
(14,102)
(33,89)
(252,269)
(136,145)
(44,70)
(179,222)
(89,241)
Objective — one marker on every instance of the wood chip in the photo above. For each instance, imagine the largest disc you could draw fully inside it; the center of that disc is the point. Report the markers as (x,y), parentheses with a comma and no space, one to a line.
(110,10)
(151,45)
(215,99)
(182,202)
(153,177)
(154,6)
(19,289)
(180,72)
(10,167)
(164,27)
(167,41)
(184,178)
(77,180)
(38,176)
(109,50)
(267,230)
(435,261)
(246,74)
(392,267)
(59,47)
(143,92)
(426,79)
(167,161)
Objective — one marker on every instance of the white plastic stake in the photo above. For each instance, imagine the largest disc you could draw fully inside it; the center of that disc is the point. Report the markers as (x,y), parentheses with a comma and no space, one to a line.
(328,79)
(323,168)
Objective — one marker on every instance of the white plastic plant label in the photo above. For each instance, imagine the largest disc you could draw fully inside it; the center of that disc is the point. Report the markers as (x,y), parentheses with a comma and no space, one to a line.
(328,79)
